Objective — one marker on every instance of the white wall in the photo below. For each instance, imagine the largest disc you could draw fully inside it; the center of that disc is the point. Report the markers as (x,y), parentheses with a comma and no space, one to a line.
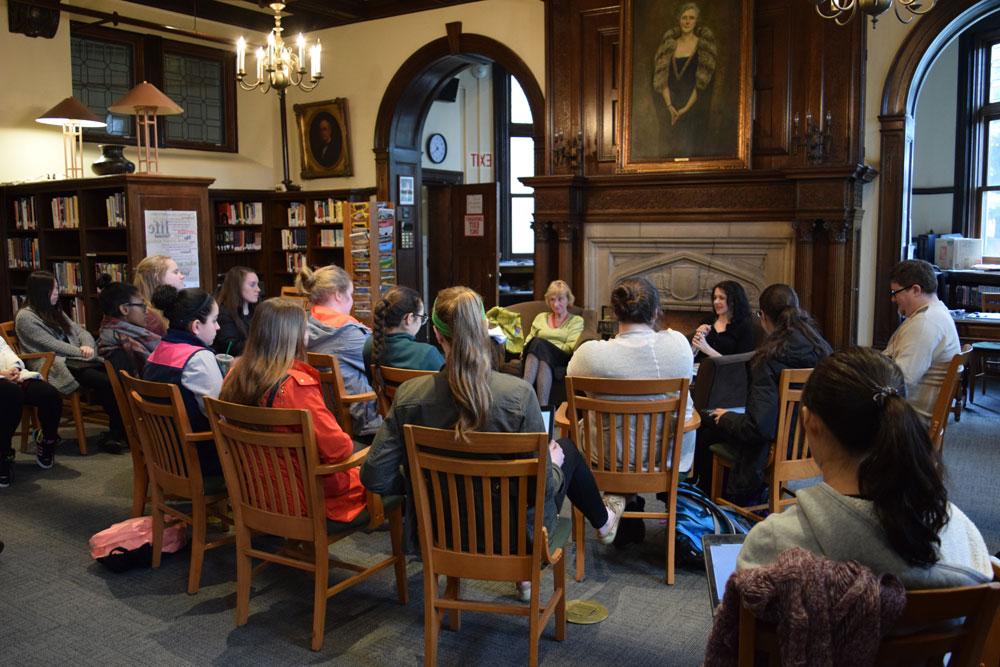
(467,125)
(934,145)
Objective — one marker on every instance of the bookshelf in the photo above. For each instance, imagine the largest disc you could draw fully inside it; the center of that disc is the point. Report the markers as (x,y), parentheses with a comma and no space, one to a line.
(370,253)
(80,228)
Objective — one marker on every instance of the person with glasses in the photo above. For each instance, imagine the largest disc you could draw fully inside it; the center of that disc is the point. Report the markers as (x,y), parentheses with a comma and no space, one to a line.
(123,338)
(399,316)
(925,342)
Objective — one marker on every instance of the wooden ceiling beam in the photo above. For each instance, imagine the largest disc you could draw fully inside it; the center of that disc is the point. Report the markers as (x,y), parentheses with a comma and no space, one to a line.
(210,10)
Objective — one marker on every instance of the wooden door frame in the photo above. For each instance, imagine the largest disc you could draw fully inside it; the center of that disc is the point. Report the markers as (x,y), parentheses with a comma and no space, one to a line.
(921,48)
(408,98)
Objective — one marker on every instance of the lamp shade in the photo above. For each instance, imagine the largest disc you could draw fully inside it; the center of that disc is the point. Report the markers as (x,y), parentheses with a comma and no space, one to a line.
(70,112)
(148,97)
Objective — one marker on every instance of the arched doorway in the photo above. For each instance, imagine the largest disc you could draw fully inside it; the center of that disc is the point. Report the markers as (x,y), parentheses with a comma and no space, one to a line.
(404,107)
(918,52)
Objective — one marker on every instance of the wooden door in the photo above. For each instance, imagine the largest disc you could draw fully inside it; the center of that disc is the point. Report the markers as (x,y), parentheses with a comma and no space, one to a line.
(473,218)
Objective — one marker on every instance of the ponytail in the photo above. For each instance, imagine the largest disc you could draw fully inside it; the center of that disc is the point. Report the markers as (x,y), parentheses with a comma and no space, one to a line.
(389,312)
(780,304)
(859,394)
(458,316)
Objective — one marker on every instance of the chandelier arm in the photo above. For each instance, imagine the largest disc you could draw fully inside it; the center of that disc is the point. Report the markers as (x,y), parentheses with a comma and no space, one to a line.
(914,10)
(900,16)
(829,16)
(843,5)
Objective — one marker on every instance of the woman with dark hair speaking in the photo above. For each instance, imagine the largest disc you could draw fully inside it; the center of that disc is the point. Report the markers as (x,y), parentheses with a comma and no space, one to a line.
(237,298)
(882,501)
(732,330)
(793,341)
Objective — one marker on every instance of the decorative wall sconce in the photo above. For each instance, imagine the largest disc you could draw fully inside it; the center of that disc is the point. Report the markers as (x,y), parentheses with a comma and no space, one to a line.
(568,152)
(816,140)
(842,11)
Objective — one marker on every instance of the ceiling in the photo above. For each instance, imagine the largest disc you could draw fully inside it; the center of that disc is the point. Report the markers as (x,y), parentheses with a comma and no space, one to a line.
(299,15)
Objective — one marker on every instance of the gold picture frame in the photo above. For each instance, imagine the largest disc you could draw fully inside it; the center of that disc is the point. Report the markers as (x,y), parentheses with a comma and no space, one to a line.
(690,112)
(324,138)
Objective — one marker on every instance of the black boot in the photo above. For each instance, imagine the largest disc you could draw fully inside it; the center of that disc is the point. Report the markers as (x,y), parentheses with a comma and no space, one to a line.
(631,530)
(6,468)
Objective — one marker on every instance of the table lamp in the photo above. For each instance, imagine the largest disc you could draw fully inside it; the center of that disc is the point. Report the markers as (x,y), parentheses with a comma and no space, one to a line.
(73,117)
(146,102)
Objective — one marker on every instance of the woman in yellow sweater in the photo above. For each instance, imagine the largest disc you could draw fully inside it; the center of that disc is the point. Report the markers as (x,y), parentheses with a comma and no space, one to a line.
(551,341)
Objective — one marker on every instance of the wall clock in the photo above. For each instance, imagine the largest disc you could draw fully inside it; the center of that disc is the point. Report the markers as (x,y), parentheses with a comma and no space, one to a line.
(437,148)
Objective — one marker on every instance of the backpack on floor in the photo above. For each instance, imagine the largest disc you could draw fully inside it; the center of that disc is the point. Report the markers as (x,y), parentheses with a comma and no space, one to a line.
(129,544)
(697,515)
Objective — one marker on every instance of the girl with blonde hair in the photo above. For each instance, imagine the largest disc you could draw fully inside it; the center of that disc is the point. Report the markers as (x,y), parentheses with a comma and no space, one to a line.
(551,341)
(332,330)
(150,273)
(273,372)
(468,395)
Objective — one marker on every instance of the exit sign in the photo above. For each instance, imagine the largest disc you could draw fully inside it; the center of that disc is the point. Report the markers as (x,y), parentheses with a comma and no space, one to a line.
(481,159)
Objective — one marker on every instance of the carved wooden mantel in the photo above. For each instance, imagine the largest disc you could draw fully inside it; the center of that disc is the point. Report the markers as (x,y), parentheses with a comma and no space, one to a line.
(821,205)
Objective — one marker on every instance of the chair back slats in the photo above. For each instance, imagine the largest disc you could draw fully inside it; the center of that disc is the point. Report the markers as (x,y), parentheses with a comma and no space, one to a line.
(332,384)
(792,459)
(479,502)
(268,455)
(9,334)
(949,387)
(628,429)
(386,380)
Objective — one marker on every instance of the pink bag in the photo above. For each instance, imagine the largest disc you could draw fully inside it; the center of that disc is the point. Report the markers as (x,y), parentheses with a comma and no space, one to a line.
(129,543)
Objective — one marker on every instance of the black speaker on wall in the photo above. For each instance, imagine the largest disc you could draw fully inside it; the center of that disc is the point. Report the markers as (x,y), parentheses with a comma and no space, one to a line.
(449,93)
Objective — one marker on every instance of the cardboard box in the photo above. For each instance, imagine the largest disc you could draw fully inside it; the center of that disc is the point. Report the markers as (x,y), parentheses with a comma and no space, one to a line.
(957,253)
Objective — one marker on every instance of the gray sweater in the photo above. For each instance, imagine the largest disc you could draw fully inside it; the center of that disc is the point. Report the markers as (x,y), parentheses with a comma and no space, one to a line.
(842,527)
(34,335)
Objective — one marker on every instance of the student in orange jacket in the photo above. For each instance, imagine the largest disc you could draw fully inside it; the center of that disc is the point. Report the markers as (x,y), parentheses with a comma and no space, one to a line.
(272,372)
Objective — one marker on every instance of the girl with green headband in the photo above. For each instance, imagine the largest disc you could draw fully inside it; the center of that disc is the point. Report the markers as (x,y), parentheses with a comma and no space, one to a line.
(468,395)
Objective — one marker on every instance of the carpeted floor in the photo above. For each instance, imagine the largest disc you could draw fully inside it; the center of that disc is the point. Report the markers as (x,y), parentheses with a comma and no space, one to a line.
(58,605)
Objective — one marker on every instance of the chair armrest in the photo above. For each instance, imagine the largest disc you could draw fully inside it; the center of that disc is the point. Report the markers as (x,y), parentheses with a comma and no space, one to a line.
(357,398)
(551,557)
(201,436)
(376,510)
(352,461)
(47,358)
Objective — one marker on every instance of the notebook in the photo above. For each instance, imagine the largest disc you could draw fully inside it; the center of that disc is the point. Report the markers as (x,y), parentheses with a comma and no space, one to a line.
(720,562)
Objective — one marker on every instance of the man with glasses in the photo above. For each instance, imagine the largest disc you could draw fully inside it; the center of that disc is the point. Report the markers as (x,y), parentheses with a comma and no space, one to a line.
(925,342)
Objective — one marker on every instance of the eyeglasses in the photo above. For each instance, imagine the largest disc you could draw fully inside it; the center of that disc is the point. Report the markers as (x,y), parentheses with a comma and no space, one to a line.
(137,305)
(422,317)
(759,314)
(894,292)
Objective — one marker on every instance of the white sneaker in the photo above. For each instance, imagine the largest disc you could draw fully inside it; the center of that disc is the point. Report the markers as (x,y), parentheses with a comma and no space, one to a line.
(615,505)
(524,591)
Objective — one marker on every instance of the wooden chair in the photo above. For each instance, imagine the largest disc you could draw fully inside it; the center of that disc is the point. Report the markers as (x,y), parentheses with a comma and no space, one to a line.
(472,518)
(950,386)
(272,470)
(986,353)
(790,459)
(386,380)
(955,620)
(140,477)
(647,463)
(78,412)
(337,398)
(173,464)
(29,415)
(292,292)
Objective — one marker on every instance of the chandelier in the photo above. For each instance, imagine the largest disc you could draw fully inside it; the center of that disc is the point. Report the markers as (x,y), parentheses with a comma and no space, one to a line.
(279,66)
(842,11)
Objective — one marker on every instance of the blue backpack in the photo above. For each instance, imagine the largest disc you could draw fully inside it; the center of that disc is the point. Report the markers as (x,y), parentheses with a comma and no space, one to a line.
(697,515)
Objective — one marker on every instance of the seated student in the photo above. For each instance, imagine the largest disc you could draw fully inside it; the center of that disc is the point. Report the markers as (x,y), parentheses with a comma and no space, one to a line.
(237,298)
(638,352)
(793,341)
(467,395)
(150,273)
(42,326)
(731,332)
(332,330)
(882,502)
(398,318)
(123,338)
(184,358)
(273,372)
(551,340)
(20,387)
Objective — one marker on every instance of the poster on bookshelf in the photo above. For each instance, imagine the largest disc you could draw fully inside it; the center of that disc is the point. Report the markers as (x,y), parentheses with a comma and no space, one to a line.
(175,234)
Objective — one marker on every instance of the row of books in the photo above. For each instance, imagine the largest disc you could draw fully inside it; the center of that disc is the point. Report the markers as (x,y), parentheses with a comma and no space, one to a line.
(240,212)
(238,240)
(24,213)
(294,261)
(66,212)
(69,276)
(296,214)
(115,205)
(117,271)
(75,308)
(328,211)
(331,238)
(23,253)
(294,239)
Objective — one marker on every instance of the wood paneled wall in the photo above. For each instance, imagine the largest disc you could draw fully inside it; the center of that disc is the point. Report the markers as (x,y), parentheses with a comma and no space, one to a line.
(802,64)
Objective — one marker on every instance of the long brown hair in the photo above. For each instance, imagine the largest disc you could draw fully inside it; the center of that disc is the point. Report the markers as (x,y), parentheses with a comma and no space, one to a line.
(397,303)
(230,296)
(458,316)
(276,340)
(780,304)
(40,286)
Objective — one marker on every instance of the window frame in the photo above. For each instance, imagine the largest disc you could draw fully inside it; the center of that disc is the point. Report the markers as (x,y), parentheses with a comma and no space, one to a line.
(504,130)
(148,52)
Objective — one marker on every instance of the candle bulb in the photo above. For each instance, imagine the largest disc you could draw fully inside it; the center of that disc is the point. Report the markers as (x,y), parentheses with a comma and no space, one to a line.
(241,55)
(301,43)
(271,60)
(260,64)
(319,49)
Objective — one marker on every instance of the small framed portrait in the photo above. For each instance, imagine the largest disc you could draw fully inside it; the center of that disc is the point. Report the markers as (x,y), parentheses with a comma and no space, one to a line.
(686,85)
(324,138)
(406,195)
